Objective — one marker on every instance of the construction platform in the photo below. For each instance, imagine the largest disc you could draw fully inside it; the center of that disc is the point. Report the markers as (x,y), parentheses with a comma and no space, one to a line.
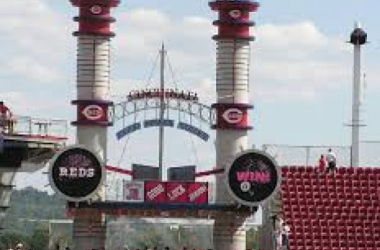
(26,144)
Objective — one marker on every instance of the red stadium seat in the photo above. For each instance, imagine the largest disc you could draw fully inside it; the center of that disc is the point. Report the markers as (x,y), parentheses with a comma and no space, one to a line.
(339,212)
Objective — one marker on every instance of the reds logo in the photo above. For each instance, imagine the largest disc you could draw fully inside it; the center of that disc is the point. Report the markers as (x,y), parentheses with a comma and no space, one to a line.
(233,115)
(96,9)
(93,112)
(235,14)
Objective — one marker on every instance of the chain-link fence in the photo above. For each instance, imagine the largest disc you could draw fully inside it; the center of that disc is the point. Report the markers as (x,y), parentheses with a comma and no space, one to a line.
(308,155)
(370,153)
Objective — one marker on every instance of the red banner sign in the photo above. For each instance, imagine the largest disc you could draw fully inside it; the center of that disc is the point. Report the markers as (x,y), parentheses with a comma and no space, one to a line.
(198,193)
(155,192)
(176,192)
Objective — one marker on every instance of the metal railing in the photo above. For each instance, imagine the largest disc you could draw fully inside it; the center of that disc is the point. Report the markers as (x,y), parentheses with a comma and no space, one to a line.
(26,125)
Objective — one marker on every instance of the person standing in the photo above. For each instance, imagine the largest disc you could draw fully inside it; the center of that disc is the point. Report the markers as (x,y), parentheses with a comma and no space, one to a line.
(285,235)
(278,232)
(331,161)
(6,119)
(322,164)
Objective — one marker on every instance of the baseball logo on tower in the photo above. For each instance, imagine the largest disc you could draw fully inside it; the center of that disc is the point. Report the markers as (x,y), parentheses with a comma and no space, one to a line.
(93,112)
(235,14)
(233,115)
(96,9)
(252,178)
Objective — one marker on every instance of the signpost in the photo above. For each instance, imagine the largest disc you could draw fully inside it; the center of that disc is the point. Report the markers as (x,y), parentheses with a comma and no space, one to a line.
(76,173)
(252,178)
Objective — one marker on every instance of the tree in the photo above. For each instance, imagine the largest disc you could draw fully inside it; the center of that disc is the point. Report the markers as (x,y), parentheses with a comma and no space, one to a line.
(253,236)
(10,240)
(39,239)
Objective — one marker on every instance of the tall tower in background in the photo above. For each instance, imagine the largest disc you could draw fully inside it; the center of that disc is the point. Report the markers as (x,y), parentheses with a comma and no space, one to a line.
(357,39)
(232,87)
(93,84)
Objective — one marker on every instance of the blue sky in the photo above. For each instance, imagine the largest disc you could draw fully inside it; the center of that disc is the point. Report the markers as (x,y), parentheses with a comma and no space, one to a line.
(301,68)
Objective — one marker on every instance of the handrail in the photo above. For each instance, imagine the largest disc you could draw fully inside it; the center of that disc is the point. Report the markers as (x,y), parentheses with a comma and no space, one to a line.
(26,125)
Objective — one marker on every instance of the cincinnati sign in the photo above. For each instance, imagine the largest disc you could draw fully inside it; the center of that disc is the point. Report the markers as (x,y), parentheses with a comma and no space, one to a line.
(165,93)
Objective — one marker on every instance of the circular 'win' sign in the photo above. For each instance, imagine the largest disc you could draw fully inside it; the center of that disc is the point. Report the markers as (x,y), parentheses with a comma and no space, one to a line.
(252,178)
(76,173)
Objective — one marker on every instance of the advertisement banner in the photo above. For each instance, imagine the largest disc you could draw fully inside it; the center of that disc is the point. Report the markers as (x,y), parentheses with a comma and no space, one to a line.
(133,191)
(165,192)
(76,173)
(253,177)
(197,192)
(155,192)
(176,192)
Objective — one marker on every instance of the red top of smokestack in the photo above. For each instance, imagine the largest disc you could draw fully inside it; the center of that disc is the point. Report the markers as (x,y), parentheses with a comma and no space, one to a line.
(233,22)
(81,3)
(94,17)
(227,4)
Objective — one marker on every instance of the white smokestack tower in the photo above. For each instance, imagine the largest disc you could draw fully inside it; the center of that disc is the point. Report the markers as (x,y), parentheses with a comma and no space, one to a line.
(232,87)
(357,39)
(93,84)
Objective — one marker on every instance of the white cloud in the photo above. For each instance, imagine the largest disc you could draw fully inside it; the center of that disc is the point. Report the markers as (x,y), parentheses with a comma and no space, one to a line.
(297,62)
(188,41)
(32,69)
(197,28)
(36,43)
(273,94)
(35,28)
(121,87)
(17,99)
(304,35)
(143,31)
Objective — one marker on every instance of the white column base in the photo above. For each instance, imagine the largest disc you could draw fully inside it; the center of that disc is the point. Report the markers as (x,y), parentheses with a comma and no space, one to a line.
(6,186)
(229,233)
(89,231)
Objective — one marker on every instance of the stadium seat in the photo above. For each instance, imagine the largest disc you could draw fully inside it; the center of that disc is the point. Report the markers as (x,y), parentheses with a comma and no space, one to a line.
(339,212)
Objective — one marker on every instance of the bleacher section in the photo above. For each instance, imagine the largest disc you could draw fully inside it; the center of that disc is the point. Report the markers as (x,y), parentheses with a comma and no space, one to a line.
(332,212)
